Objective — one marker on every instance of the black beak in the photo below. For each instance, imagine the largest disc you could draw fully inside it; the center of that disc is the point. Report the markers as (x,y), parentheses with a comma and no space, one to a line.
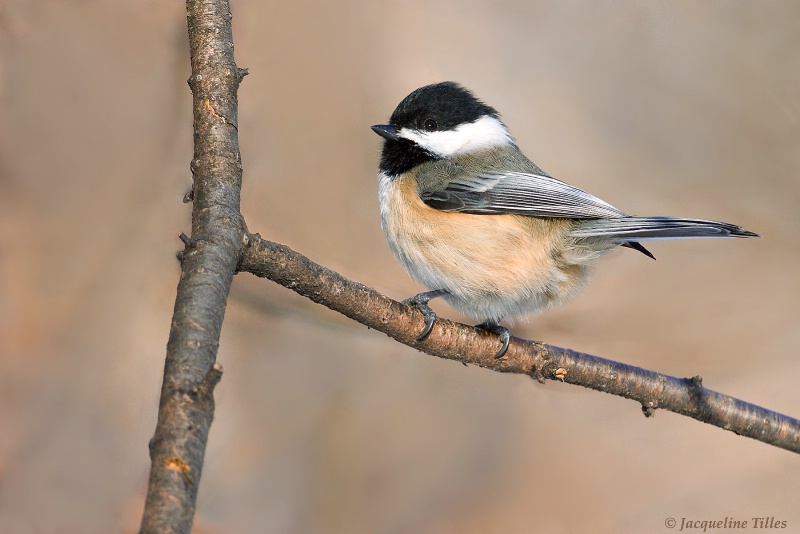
(387,131)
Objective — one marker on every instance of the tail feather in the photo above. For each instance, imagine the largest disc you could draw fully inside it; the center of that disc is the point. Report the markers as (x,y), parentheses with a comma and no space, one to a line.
(635,229)
(637,246)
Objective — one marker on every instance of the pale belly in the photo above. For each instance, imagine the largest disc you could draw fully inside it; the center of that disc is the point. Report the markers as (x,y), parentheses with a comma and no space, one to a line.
(494,266)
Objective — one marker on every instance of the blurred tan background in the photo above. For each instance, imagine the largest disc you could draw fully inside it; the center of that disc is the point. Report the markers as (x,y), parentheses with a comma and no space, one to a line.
(323,426)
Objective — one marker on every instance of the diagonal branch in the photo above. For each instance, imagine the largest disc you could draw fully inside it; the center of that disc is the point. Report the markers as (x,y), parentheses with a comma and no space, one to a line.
(462,343)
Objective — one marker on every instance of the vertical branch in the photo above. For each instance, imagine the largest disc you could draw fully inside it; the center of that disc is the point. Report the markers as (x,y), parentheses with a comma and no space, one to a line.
(209,262)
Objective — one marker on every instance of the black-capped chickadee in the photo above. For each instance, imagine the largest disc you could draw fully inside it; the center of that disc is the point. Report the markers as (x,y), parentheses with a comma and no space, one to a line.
(479,224)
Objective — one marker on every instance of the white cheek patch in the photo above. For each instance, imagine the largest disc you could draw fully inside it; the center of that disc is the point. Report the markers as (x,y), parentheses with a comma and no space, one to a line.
(486,132)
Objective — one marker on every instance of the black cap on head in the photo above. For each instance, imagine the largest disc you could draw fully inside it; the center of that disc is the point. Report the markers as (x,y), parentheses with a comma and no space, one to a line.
(446,104)
(436,107)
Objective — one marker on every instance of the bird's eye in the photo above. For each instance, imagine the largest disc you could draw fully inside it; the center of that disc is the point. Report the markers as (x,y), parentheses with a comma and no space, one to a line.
(431,125)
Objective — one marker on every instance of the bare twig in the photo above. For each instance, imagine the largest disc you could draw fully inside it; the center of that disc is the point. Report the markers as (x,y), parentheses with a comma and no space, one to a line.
(208,265)
(463,343)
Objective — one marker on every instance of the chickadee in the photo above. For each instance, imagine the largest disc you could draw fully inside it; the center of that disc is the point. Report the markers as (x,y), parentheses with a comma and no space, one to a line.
(479,224)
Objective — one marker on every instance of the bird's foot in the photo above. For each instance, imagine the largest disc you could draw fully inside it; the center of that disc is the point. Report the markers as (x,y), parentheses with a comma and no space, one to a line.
(494,328)
(420,301)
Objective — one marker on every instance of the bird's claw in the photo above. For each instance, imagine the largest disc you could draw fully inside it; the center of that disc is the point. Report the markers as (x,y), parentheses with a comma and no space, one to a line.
(430,318)
(505,335)
(420,302)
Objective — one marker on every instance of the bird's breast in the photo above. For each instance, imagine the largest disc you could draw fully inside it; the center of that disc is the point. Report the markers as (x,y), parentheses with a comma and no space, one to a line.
(493,265)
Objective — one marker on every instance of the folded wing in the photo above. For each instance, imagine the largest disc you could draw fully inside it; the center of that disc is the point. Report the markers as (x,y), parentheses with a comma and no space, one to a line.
(537,195)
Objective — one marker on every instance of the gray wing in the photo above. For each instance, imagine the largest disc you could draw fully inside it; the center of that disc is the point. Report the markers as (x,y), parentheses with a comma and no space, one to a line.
(520,193)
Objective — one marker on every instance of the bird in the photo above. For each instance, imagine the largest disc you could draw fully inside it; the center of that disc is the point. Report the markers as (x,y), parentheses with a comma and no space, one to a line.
(470,217)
